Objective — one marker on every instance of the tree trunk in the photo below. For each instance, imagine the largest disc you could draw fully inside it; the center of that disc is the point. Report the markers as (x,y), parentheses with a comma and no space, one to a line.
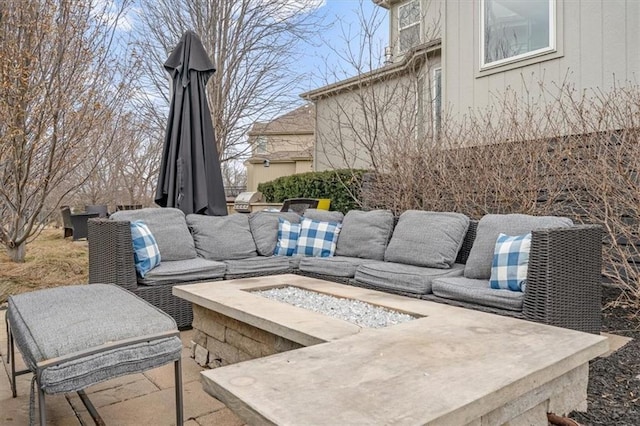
(17,252)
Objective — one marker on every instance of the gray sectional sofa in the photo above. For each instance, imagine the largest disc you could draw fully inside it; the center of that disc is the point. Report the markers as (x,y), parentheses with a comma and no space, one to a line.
(443,257)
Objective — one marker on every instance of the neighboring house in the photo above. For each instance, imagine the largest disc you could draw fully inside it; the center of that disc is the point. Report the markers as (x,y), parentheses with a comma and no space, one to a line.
(281,147)
(463,55)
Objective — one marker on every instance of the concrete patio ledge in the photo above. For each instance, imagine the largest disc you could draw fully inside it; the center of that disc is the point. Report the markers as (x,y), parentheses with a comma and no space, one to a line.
(451,366)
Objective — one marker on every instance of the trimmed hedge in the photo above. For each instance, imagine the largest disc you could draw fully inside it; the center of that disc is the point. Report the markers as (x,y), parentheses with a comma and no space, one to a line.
(341,186)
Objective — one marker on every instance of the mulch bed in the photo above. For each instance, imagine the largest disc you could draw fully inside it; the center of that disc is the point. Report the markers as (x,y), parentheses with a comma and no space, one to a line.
(614,382)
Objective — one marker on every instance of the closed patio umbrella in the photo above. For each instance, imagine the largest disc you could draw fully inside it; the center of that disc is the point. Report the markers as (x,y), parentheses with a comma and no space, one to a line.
(190,177)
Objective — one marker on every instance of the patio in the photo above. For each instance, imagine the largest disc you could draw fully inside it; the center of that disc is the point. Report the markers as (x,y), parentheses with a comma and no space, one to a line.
(137,399)
(148,398)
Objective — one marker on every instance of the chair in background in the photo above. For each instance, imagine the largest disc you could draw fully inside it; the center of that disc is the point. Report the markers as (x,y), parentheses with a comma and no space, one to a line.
(324,203)
(299,205)
(75,225)
(128,207)
(101,209)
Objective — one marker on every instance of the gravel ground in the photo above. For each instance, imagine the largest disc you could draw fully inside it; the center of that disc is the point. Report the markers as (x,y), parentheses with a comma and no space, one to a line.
(360,313)
(614,382)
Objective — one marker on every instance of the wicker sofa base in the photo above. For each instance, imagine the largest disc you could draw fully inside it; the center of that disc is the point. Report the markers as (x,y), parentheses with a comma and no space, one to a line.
(563,280)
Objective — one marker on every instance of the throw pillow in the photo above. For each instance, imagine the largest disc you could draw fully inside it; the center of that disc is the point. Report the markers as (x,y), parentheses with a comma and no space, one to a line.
(145,249)
(169,228)
(429,239)
(222,237)
(323,215)
(288,234)
(264,229)
(478,264)
(365,234)
(510,262)
(317,238)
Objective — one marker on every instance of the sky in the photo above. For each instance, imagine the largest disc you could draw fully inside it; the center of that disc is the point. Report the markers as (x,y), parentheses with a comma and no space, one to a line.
(325,61)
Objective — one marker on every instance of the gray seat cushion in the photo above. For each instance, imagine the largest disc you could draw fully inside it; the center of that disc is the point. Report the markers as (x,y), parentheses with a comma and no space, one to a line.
(478,265)
(182,271)
(430,239)
(323,215)
(400,277)
(169,228)
(57,322)
(264,229)
(294,261)
(365,234)
(478,292)
(257,265)
(337,266)
(222,237)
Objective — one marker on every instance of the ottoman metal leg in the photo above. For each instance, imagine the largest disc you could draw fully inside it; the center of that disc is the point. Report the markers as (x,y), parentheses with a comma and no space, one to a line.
(11,358)
(41,406)
(178,376)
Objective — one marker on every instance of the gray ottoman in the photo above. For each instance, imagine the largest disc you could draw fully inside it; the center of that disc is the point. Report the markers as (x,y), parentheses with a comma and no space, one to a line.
(76,336)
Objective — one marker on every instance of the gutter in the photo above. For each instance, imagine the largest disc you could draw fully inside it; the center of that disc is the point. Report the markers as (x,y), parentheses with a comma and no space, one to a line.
(413,58)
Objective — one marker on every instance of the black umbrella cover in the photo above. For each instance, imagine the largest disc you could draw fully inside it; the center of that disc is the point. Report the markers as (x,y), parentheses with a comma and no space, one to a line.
(190,177)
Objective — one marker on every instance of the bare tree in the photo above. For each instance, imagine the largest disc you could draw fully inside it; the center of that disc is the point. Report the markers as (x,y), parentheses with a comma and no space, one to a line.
(127,170)
(253,45)
(376,119)
(59,86)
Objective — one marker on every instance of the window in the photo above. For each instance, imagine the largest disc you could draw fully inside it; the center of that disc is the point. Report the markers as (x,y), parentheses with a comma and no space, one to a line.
(261,145)
(512,30)
(408,25)
(437,101)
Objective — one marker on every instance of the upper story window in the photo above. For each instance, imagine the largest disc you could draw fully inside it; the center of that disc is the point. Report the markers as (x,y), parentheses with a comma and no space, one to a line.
(408,25)
(261,145)
(512,30)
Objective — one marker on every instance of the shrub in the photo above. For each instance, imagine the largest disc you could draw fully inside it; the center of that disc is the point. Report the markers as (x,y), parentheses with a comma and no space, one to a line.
(511,160)
(341,186)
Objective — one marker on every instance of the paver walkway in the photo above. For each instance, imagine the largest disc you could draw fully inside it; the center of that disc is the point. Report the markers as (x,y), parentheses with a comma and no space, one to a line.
(137,399)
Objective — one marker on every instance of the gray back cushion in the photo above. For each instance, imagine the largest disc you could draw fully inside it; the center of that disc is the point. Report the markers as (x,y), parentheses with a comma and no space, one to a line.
(264,228)
(323,215)
(430,239)
(365,234)
(169,228)
(478,264)
(222,237)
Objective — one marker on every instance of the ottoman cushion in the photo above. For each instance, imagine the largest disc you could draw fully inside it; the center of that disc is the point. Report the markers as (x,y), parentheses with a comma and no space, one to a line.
(67,321)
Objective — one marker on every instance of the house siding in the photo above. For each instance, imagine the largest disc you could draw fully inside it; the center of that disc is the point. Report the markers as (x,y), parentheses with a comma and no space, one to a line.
(259,174)
(598,42)
(347,136)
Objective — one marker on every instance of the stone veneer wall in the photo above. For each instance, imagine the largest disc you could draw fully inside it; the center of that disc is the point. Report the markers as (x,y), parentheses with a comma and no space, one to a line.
(220,340)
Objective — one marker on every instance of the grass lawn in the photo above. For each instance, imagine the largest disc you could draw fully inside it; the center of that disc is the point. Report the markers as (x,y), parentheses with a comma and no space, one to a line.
(51,261)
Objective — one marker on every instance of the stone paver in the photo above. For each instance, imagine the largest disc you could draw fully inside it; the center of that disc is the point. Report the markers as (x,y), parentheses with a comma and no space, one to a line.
(137,399)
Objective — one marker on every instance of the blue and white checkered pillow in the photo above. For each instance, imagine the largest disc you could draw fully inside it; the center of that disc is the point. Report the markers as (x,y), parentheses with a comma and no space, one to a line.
(510,262)
(317,238)
(145,248)
(288,234)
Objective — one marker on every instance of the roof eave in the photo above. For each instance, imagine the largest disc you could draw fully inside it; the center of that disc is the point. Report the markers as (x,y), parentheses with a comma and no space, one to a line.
(414,55)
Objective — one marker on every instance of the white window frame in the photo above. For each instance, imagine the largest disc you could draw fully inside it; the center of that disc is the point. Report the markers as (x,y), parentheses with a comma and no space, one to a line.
(543,51)
(417,23)
(436,113)
(261,144)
